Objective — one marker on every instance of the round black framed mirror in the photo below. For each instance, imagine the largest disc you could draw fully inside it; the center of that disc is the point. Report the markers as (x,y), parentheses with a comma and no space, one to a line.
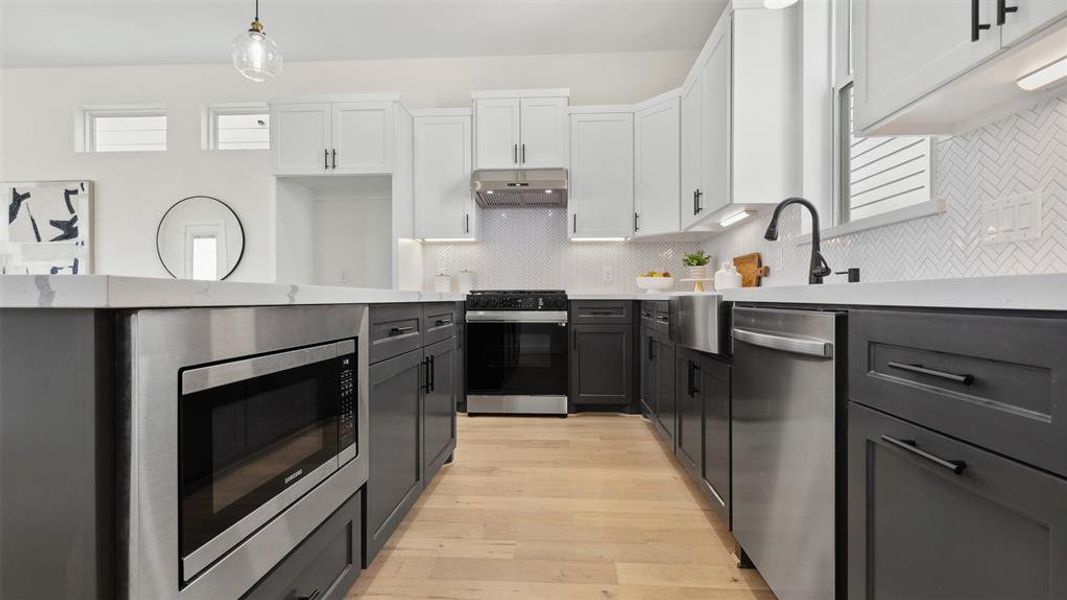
(200,237)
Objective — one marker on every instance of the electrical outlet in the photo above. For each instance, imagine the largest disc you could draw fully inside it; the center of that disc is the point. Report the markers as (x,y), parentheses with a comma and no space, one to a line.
(1012,219)
(609,273)
(343,276)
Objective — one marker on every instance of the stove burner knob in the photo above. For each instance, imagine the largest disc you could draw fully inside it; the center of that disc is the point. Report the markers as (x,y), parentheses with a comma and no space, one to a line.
(493,302)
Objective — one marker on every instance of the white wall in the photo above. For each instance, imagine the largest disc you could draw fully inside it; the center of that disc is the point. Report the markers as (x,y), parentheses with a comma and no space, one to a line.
(133,190)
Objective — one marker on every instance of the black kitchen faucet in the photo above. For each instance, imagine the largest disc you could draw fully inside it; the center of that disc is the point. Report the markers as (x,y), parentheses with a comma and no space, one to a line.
(819,268)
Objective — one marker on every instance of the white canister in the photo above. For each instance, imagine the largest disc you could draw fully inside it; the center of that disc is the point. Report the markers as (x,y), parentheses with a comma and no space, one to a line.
(465,281)
(727,277)
(442,283)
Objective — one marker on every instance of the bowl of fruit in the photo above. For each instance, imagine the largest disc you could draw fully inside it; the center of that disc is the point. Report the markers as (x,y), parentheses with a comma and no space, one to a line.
(655,281)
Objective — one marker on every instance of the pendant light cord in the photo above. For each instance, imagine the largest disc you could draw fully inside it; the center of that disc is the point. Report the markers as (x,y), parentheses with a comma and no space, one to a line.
(257,10)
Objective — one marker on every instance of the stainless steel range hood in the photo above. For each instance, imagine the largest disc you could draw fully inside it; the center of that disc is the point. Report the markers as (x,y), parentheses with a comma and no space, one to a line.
(513,188)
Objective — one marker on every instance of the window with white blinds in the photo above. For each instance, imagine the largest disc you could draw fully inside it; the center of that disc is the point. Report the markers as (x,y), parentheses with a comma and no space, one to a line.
(880,174)
(240,128)
(126,131)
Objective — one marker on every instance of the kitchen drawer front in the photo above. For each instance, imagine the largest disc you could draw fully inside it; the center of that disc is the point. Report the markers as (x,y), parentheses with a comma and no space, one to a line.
(602,311)
(999,382)
(439,321)
(324,565)
(394,330)
(933,517)
(656,315)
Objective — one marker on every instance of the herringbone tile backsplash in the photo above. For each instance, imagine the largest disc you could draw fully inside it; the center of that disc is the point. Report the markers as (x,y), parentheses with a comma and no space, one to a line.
(1024,152)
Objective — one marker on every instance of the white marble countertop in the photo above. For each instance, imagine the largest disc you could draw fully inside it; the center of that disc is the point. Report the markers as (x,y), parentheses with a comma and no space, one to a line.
(1010,292)
(110,291)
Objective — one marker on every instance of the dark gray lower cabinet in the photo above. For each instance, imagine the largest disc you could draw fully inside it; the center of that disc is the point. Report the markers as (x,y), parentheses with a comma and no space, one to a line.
(714,376)
(324,566)
(439,406)
(646,373)
(689,439)
(932,517)
(666,391)
(396,461)
(601,363)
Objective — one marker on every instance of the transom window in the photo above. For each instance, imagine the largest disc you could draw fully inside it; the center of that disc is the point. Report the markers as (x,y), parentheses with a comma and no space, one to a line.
(238,127)
(126,130)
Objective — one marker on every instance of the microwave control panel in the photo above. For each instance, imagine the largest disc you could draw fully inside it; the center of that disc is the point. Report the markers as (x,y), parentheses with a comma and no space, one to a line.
(346,424)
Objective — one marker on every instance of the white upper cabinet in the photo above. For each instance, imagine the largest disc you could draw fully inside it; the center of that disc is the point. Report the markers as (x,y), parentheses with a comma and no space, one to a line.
(527,129)
(340,137)
(657,127)
(444,205)
(692,132)
(906,49)
(740,136)
(544,133)
(1028,16)
(715,117)
(498,133)
(300,135)
(601,195)
(946,67)
(362,138)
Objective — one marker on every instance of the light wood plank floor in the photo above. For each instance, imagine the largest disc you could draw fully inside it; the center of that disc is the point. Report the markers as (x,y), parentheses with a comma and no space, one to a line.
(591,506)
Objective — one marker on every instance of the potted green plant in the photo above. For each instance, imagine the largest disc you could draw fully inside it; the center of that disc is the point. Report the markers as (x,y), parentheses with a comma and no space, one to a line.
(697,264)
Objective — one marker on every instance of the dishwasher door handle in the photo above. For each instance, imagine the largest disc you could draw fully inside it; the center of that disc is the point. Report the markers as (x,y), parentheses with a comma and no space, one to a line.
(809,347)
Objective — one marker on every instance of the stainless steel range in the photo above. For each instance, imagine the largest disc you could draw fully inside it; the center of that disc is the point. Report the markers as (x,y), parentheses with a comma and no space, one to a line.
(517,352)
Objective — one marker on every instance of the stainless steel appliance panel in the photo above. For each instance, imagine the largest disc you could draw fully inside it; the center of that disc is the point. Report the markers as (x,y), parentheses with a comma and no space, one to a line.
(784,420)
(154,346)
(696,321)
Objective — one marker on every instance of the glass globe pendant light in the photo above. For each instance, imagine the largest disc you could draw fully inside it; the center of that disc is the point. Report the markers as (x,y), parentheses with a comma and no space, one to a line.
(254,54)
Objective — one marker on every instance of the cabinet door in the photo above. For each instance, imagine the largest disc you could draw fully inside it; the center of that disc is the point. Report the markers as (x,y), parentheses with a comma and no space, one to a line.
(689,448)
(903,50)
(657,169)
(715,391)
(666,393)
(715,119)
(444,207)
(601,364)
(544,133)
(496,129)
(648,373)
(439,406)
(362,138)
(300,138)
(691,135)
(1030,16)
(917,529)
(601,195)
(395,445)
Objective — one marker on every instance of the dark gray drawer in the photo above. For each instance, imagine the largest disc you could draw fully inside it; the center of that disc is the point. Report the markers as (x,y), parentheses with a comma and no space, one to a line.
(999,382)
(440,321)
(325,565)
(602,311)
(394,330)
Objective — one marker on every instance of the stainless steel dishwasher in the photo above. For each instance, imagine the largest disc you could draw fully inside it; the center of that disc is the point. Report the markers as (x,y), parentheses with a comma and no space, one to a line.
(787,422)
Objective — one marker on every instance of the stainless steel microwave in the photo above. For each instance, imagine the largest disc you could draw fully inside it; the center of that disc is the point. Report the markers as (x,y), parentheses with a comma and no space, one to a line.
(247,428)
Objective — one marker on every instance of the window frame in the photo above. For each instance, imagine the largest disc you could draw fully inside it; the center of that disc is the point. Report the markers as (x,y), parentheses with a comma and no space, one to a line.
(210,122)
(85,124)
(839,223)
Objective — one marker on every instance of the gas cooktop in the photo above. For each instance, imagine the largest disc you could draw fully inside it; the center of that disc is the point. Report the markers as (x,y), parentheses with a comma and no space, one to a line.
(517,300)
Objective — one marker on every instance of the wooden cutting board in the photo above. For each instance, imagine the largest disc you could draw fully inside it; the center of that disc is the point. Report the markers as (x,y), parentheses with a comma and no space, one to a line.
(751,268)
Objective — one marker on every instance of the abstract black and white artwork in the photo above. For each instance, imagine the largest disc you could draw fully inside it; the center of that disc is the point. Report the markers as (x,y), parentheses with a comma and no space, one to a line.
(47,229)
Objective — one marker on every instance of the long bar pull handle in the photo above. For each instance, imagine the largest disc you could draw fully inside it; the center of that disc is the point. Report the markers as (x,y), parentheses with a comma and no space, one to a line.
(694,202)
(574,226)
(786,344)
(400,330)
(696,378)
(426,374)
(965,379)
(333,159)
(636,225)
(515,154)
(467,223)
(524,154)
(977,27)
(956,466)
(700,196)
(433,374)
(1002,11)
(326,159)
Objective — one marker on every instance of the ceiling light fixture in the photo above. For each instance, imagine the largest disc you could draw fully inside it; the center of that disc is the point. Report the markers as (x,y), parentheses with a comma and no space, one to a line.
(1047,74)
(776,4)
(254,54)
(736,217)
